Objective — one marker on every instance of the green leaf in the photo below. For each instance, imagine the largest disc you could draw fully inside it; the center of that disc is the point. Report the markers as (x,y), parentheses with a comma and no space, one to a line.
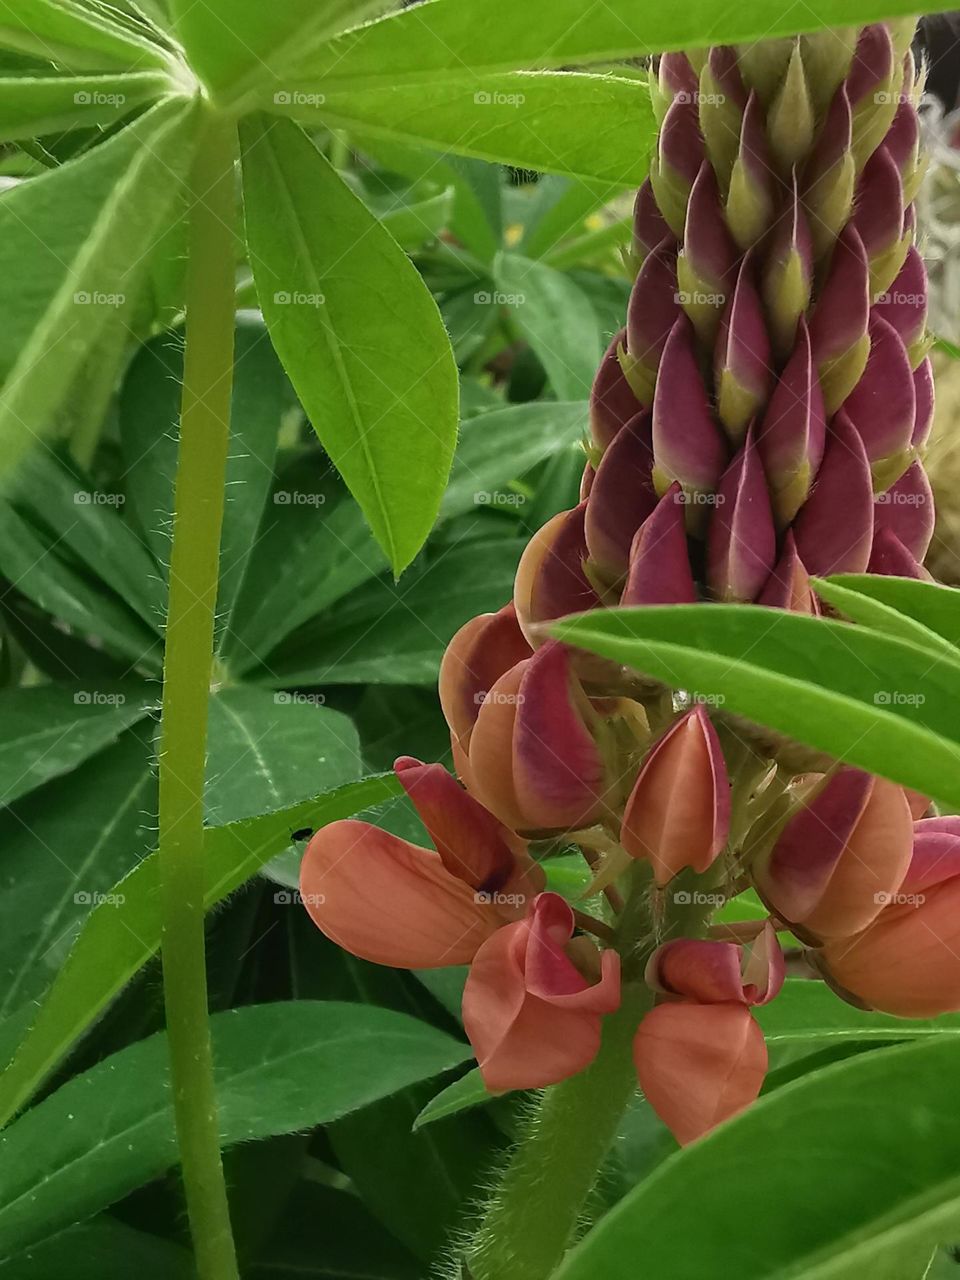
(149,435)
(64,849)
(357,331)
(927,603)
(234,45)
(279,1067)
(121,935)
(336,554)
(876,701)
(51,729)
(593,127)
(31,107)
(560,213)
(390,633)
(443,38)
(79,239)
(809,1011)
(467,1092)
(863,608)
(271,751)
(868,1148)
(103,1249)
(557,320)
(75,37)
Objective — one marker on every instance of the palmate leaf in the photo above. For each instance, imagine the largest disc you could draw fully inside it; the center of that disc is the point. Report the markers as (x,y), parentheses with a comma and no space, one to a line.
(31,106)
(357,331)
(76,36)
(79,240)
(853,1170)
(873,700)
(280,1067)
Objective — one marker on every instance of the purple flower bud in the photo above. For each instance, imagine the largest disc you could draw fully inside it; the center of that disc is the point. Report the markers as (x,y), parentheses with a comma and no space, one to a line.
(907,510)
(722,100)
(829,176)
(649,227)
(659,557)
(751,197)
(742,542)
(787,277)
(788,586)
(834,527)
(872,87)
(890,557)
(674,168)
(878,214)
(653,310)
(621,497)
(882,406)
(923,389)
(612,403)
(839,328)
(676,78)
(742,360)
(707,259)
(791,439)
(904,305)
(903,139)
(688,446)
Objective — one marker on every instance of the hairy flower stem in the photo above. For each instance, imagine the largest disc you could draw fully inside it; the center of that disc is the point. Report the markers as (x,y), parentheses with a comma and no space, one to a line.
(188,662)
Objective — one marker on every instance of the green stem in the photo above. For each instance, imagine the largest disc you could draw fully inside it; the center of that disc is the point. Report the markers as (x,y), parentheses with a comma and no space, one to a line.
(188,660)
(538,1204)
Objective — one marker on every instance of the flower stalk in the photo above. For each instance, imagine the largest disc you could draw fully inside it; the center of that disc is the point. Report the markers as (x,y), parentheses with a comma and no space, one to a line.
(188,665)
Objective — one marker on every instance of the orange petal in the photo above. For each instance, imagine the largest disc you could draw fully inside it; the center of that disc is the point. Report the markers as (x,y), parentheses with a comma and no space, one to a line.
(699,1064)
(386,900)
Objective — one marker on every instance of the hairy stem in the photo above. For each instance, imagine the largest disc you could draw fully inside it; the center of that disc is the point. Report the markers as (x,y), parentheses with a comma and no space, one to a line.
(188,661)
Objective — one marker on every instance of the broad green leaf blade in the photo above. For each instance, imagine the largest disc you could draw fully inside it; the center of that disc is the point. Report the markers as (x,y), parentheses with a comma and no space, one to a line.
(561,213)
(75,37)
(121,936)
(51,729)
(867,1152)
(149,434)
(270,751)
(390,633)
(102,1249)
(64,849)
(873,700)
(467,1092)
(234,45)
(357,331)
(279,1067)
(809,1011)
(557,320)
(928,603)
(336,554)
(863,608)
(31,107)
(441,39)
(79,240)
(592,127)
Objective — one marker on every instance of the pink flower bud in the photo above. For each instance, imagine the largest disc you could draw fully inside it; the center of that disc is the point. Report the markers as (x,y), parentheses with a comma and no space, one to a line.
(879,208)
(719,972)
(674,168)
(834,527)
(532,1017)
(742,359)
(688,446)
(890,557)
(907,510)
(839,857)
(871,88)
(904,304)
(612,403)
(477,656)
(649,227)
(787,277)
(907,962)
(751,199)
(622,496)
(722,100)
(678,814)
(793,435)
(829,176)
(550,581)
(742,541)
(652,312)
(788,586)
(708,257)
(659,570)
(699,1064)
(882,406)
(839,328)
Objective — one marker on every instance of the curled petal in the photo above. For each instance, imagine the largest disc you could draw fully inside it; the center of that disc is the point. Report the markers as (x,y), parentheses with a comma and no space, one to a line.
(719,972)
(621,497)
(936,854)
(699,1064)
(386,900)
(531,1016)
(834,527)
(838,859)
(659,570)
(742,541)
(612,402)
(490,762)
(907,510)
(678,814)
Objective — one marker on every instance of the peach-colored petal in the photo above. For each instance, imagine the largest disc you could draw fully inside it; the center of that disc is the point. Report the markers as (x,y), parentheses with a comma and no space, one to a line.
(477,656)
(712,972)
(531,1016)
(386,900)
(528,571)
(699,1064)
(678,814)
(491,749)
